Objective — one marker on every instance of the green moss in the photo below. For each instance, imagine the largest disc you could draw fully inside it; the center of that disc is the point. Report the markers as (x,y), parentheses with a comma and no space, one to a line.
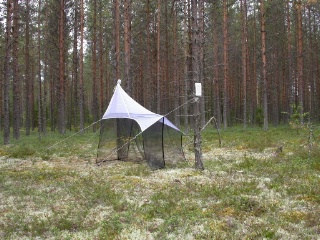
(238,196)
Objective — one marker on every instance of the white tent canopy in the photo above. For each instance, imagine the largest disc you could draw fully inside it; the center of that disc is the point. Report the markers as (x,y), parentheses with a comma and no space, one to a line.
(130,132)
(123,106)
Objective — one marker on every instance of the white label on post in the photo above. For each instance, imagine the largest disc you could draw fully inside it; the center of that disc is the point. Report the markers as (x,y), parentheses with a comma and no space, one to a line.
(198,89)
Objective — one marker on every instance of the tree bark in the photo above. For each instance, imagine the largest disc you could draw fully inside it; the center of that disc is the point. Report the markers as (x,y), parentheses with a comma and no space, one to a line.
(95,107)
(256,103)
(61,108)
(244,59)
(27,71)
(101,62)
(81,90)
(175,69)
(127,45)
(187,57)
(148,79)
(158,57)
(290,81)
(225,64)
(16,77)
(46,78)
(300,58)
(201,59)
(312,49)
(165,86)
(74,84)
(40,102)
(216,80)
(6,80)
(264,66)
(117,38)
(196,79)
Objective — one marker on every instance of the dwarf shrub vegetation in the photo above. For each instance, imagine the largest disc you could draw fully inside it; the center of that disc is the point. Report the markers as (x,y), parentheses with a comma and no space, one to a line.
(257,185)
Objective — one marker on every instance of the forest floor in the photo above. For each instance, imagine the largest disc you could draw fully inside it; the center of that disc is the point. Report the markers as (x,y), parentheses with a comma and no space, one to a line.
(257,185)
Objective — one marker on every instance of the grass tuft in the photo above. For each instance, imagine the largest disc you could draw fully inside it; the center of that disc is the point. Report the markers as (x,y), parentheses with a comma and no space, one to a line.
(249,190)
(22,152)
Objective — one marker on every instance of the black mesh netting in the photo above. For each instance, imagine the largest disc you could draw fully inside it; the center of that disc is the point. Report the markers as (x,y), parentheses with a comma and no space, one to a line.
(121,139)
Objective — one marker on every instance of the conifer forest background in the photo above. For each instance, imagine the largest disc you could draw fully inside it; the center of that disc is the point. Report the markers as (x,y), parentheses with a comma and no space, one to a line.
(258,61)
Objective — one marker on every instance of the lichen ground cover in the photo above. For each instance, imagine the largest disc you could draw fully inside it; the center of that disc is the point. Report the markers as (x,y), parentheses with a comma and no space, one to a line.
(241,194)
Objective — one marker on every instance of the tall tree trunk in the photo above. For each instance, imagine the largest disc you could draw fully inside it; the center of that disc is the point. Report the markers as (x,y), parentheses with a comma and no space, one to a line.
(196,79)
(244,59)
(216,80)
(314,69)
(74,87)
(52,33)
(264,66)
(16,77)
(33,74)
(290,81)
(6,80)
(117,38)
(158,57)
(61,107)
(46,78)
(310,93)
(225,64)
(148,79)
(165,86)
(1,81)
(300,57)
(94,66)
(187,57)
(127,45)
(175,69)
(41,127)
(254,90)
(108,83)
(201,60)
(27,72)
(81,90)
(101,64)
(139,93)
(317,70)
